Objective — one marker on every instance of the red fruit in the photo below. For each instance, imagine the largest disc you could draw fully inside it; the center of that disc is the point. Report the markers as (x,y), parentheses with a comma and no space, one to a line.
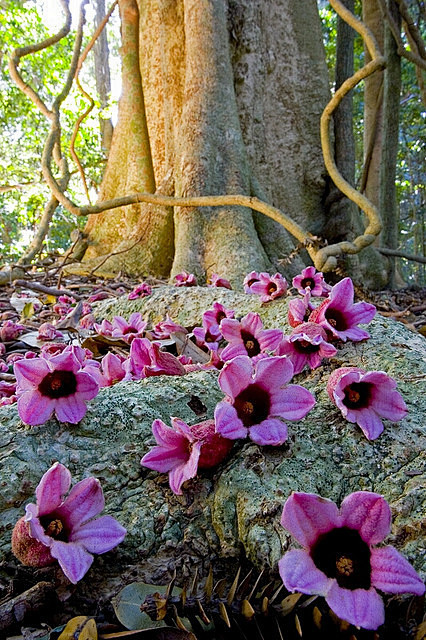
(28,550)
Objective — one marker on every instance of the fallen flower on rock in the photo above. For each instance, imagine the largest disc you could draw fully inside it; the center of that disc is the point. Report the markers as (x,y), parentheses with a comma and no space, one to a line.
(257,397)
(140,291)
(185,279)
(217,281)
(248,337)
(338,561)
(53,385)
(181,450)
(307,345)
(365,397)
(269,287)
(311,280)
(65,530)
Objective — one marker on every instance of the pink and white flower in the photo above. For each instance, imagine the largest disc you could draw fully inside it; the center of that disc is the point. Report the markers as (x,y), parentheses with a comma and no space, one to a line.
(257,398)
(112,369)
(311,280)
(185,279)
(269,287)
(340,315)
(248,337)
(217,281)
(128,331)
(365,397)
(307,345)
(249,280)
(140,291)
(65,529)
(182,449)
(338,560)
(54,385)
(164,329)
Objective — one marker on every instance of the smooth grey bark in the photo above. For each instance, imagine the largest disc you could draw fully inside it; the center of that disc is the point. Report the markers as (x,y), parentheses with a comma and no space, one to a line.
(102,76)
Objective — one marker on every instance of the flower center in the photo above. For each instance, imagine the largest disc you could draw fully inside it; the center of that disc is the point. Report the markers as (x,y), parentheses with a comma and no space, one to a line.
(252,281)
(209,337)
(304,346)
(252,405)
(220,316)
(342,554)
(54,527)
(357,395)
(251,344)
(308,282)
(129,330)
(58,384)
(336,319)
(271,288)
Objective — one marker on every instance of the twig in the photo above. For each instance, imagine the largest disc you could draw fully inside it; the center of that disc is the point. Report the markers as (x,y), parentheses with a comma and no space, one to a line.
(401,254)
(36,286)
(402,51)
(15,611)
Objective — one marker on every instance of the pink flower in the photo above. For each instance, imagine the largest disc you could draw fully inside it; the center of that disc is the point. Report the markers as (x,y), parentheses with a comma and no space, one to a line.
(98,295)
(248,337)
(48,332)
(307,344)
(217,281)
(112,369)
(55,385)
(64,305)
(249,280)
(3,366)
(140,291)
(7,401)
(269,287)
(7,389)
(104,329)
(10,331)
(257,397)
(311,280)
(338,561)
(182,449)
(52,349)
(299,310)
(365,398)
(208,336)
(340,315)
(65,530)
(146,359)
(165,328)
(213,317)
(185,279)
(87,321)
(127,331)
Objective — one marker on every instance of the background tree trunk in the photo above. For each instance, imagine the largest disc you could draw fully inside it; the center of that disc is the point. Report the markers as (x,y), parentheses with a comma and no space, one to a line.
(102,76)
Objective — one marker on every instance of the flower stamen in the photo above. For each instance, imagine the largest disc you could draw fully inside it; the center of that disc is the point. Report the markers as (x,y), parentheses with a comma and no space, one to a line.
(344,566)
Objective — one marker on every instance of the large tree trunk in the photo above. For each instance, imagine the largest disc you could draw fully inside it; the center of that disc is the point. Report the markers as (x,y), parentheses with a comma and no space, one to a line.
(233,94)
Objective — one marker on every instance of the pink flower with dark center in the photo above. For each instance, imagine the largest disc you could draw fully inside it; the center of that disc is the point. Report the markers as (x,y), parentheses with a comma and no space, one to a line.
(112,369)
(65,530)
(55,385)
(140,291)
(217,281)
(340,315)
(104,329)
(146,359)
(365,397)
(185,279)
(10,331)
(248,337)
(128,331)
(249,280)
(257,398)
(312,280)
(164,329)
(307,345)
(48,332)
(338,561)
(299,310)
(182,449)
(208,336)
(269,287)
(213,317)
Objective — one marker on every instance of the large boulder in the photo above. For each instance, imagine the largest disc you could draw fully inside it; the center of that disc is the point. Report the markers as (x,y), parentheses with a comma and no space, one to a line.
(238,505)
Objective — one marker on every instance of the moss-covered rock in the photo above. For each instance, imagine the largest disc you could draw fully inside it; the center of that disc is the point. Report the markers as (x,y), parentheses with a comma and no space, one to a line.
(239,504)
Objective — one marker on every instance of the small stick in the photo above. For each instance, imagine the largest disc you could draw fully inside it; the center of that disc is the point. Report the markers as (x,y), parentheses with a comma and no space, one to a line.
(36,286)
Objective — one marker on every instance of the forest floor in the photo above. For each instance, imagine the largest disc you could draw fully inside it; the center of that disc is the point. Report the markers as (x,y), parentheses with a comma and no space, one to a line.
(48,297)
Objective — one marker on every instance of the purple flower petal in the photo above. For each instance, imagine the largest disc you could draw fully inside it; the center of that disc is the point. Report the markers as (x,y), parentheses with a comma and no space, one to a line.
(252,323)
(228,423)
(370,423)
(274,372)
(299,573)
(361,607)
(233,350)
(163,459)
(34,408)
(99,535)
(236,376)
(271,432)
(369,513)
(36,530)
(231,329)
(392,573)
(87,386)
(165,436)
(183,472)
(30,372)
(70,409)
(84,502)
(353,333)
(269,339)
(362,313)
(52,488)
(343,293)
(73,559)
(306,516)
(292,403)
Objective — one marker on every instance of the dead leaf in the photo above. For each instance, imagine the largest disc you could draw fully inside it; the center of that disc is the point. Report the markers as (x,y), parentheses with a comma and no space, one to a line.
(80,628)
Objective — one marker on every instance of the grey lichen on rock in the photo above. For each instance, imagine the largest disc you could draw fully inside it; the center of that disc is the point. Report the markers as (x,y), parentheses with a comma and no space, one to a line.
(238,505)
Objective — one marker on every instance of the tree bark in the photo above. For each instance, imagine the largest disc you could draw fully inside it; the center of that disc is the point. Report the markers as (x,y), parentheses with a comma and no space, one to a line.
(103,76)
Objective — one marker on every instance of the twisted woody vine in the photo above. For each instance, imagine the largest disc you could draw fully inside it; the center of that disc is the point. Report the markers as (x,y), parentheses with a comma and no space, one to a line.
(338,558)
